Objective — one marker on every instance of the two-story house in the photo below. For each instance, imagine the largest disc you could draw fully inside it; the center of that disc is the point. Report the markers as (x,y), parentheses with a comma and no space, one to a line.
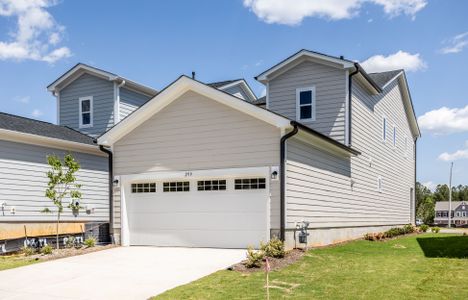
(210,165)
(459,213)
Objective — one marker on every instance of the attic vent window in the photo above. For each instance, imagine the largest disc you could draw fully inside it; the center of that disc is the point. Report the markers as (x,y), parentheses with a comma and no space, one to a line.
(86,112)
(305,104)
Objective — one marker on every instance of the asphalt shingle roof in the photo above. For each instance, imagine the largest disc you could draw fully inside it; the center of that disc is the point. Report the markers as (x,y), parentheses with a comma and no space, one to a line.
(382,78)
(31,126)
(222,83)
(444,205)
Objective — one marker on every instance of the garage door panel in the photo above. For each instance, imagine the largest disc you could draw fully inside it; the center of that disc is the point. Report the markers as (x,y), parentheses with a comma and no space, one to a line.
(188,221)
(225,219)
(199,238)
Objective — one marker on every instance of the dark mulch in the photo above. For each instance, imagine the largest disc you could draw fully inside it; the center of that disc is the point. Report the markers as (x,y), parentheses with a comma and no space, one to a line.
(275,263)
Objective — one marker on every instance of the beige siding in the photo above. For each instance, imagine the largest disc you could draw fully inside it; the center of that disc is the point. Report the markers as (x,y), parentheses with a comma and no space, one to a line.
(330,86)
(194,133)
(319,184)
(23,182)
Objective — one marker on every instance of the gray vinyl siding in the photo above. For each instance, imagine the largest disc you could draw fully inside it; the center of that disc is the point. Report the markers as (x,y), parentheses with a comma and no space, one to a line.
(330,87)
(194,133)
(130,100)
(318,183)
(238,92)
(103,103)
(23,182)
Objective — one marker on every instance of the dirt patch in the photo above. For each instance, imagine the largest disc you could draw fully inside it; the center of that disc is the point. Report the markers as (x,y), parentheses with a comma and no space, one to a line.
(67,252)
(275,263)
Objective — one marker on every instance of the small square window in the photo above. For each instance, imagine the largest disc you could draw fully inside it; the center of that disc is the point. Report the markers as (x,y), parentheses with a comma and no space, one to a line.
(149,187)
(250,184)
(176,186)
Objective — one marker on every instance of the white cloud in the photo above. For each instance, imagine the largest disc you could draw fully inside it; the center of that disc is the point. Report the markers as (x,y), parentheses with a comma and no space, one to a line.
(292,12)
(399,60)
(445,120)
(459,154)
(37,113)
(37,32)
(430,185)
(456,44)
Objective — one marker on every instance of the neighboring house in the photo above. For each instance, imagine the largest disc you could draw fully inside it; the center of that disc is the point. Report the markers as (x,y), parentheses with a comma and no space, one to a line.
(459,215)
(210,165)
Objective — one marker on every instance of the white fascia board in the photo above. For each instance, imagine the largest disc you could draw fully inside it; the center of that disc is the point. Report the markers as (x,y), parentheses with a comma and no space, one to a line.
(80,67)
(391,80)
(27,138)
(322,144)
(304,53)
(244,86)
(173,92)
(409,107)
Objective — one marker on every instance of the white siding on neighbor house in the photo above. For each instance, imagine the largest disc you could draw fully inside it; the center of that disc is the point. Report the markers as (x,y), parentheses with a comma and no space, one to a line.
(237,91)
(195,133)
(103,103)
(23,182)
(330,88)
(130,100)
(319,186)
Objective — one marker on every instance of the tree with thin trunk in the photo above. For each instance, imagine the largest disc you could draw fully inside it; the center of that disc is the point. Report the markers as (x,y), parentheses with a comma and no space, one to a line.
(62,185)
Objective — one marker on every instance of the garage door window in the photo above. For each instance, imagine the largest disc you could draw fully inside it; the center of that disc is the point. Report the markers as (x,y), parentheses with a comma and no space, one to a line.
(212,185)
(179,186)
(144,187)
(250,184)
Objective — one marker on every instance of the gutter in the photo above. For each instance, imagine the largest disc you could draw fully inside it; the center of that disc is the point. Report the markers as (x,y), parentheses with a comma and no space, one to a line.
(284,138)
(350,97)
(111,190)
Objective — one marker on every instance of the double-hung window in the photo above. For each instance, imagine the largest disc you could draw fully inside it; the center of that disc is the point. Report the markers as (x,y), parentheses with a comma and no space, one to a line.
(86,112)
(305,104)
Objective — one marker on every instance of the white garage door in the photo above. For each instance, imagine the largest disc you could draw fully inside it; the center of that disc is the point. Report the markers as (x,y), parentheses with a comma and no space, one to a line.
(224,211)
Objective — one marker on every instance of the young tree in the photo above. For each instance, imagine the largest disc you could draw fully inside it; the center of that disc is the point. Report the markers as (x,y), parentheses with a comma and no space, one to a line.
(62,185)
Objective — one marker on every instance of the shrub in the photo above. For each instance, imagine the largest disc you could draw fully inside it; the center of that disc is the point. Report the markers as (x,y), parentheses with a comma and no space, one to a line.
(28,250)
(408,228)
(254,258)
(435,229)
(274,248)
(90,242)
(46,250)
(424,227)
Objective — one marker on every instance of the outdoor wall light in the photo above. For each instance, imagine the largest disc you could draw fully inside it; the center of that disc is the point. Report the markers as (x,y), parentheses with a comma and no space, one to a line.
(274,173)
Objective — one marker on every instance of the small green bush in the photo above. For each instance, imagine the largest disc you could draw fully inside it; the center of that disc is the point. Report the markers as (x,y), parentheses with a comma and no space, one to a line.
(408,228)
(27,251)
(90,242)
(435,229)
(254,258)
(274,248)
(424,227)
(46,250)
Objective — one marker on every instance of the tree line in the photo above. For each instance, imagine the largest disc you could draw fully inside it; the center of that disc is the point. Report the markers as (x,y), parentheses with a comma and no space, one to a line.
(426,199)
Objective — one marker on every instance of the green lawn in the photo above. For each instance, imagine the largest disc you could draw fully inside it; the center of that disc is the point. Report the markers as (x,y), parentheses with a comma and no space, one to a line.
(13,261)
(427,266)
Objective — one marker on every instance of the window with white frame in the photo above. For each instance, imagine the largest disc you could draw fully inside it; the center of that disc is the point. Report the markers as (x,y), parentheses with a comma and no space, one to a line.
(250,184)
(379,184)
(211,185)
(384,129)
(149,187)
(394,136)
(176,186)
(86,112)
(305,104)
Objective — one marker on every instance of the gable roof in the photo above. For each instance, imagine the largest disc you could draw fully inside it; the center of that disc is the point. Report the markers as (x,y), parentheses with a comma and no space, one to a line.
(444,205)
(383,78)
(224,85)
(171,93)
(41,128)
(80,69)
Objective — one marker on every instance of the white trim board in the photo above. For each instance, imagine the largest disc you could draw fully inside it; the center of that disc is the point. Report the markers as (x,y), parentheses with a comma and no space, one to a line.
(173,92)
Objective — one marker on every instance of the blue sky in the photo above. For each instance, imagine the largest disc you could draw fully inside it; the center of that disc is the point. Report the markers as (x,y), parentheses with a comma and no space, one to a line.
(153,42)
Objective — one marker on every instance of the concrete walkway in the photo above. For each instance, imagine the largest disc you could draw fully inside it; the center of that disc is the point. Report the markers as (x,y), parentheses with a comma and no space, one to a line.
(118,273)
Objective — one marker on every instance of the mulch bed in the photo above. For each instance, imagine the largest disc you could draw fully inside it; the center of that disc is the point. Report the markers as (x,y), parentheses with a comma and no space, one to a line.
(275,263)
(67,252)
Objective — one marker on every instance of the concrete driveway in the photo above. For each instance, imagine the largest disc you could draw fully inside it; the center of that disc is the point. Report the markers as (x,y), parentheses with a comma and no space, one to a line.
(118,273)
